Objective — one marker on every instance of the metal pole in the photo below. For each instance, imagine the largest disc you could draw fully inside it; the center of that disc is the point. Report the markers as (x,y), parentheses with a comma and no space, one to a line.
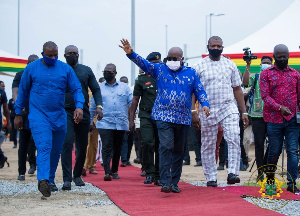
(132,39)
(185,53)
(81,56)
(166,40)
(18,27)
(210,15)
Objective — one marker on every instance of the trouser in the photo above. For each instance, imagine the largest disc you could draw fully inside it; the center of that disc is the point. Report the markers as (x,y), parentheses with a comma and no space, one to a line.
(243,152)
(223,152)
(111,148)
(276,134)
(26,146)
(13,131)
(138,144)
(90,159)
(259,127)
(219,139)
(173,141)
(230,125)
(81,132)
(126,147)
(2,137)
(150,147)
(48,145)
(193,139)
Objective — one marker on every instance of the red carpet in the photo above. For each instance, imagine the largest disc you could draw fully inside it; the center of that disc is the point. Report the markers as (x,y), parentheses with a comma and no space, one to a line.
(135,198)
(253,191)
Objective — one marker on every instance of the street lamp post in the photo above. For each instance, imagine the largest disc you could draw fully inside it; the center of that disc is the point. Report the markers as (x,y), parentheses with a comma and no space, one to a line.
(210,15)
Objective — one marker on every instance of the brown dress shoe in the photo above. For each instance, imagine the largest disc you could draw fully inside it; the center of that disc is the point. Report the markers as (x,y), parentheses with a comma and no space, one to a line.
(83,173)
(92,171)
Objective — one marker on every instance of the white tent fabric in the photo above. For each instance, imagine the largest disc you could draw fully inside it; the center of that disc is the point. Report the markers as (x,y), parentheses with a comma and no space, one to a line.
(9,55)
(284,29)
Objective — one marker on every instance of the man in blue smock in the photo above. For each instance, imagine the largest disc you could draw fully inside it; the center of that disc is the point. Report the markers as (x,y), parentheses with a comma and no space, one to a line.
(46,80)
(172,109)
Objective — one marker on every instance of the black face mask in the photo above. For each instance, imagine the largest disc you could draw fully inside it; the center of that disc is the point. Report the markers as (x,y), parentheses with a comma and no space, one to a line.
(215,53)
(72,60)
(281,64)
(108,77)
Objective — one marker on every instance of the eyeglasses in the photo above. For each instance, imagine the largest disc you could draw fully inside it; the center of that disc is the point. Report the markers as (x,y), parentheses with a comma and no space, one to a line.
(108,72)
(174,58)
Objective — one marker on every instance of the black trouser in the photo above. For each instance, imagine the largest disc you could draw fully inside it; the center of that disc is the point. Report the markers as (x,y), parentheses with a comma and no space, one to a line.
(243,152)
(222,152)
(26,146)
(138,143)
(81,132)
(259,127)
(111,148)
(13,131)
(150,147)
(127,144)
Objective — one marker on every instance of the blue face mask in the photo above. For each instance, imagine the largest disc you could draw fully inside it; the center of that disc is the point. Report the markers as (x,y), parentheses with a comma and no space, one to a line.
(49,61)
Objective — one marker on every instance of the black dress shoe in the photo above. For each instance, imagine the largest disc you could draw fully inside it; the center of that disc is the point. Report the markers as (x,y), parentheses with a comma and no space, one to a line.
(232,179)
(3,161)
(66,186)
(199,163)
(32,169)
(53,187)
(107,177)
(21,177)
(186,163)
(149,180)
(115,176)
(128,163)
(220,167)
(244,167)
(165,188)
(212,184)
(15,146)
(292,188)
(78,181)
(157,183)
(123,164)
(143,173)
(44,188)
(137,161)
(175,188)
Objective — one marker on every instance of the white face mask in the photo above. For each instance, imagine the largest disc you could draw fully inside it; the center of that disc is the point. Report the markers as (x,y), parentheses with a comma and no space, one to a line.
(173,65)
(264,66)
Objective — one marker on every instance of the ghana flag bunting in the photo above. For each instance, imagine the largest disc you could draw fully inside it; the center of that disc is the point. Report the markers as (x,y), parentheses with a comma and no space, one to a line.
(294,61)
(12,64)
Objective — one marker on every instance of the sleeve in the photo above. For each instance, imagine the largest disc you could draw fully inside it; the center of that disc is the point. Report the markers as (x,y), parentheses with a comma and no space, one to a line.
(200,92)
(24,90)
(298,90)
(92,110)
(4,98)
(148,67)
(17,79)
(235,76)
(75,88)
(130,96)
(138,89)
(251,81)
(265,91)
(94,86)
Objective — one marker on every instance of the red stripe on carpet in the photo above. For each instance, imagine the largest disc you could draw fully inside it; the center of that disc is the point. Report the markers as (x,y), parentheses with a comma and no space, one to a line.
(136,198)
(253,191)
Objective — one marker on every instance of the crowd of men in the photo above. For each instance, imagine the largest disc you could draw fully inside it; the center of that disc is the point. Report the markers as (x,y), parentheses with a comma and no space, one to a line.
(56,104)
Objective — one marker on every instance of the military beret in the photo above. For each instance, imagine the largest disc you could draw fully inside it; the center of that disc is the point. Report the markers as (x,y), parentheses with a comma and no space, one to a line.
(154,56)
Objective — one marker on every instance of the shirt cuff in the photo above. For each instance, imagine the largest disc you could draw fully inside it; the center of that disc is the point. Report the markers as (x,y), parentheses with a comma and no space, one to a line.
(79,105)
(132,56)
(205,104)
(18,111)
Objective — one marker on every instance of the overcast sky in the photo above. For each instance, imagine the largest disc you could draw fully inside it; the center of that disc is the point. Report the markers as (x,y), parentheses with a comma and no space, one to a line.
(96,26)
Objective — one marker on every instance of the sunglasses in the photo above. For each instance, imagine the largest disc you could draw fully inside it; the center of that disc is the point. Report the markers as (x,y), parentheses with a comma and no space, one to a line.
(174,58)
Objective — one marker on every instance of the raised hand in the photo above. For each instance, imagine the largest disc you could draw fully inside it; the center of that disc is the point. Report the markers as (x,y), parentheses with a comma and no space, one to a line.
(126,46)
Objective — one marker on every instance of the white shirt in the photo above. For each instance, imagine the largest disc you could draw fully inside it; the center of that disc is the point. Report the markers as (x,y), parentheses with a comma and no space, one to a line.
(218,79)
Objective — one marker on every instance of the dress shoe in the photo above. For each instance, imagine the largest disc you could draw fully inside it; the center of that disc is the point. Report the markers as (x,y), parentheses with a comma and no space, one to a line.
(232,179)
(292,188)
(83,173)
(21,177)
(92,171)
(123,164)
(15,146)
(66,186)
(3,161)
(102,164)
(107,177)
(44,188)
(78,181)
(115,176)
(186,163)
(165,188)
(245,167)
(260,177)
(53,187)
(175,188)
(143,173)
(220,167)
(157,183)
(199,163)
(128,163)
(212,184)
(32,169)
(149,180)
(137,161)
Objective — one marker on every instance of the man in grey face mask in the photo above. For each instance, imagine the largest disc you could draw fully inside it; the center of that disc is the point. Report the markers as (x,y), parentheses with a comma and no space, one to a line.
(259,126)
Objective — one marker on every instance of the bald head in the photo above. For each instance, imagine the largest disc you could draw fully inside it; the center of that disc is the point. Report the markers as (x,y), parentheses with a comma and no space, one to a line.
(32,58)
(281,56)
(281,48)
(49,45)
(111,66)
(71,49)
(175,52)
(214,38)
